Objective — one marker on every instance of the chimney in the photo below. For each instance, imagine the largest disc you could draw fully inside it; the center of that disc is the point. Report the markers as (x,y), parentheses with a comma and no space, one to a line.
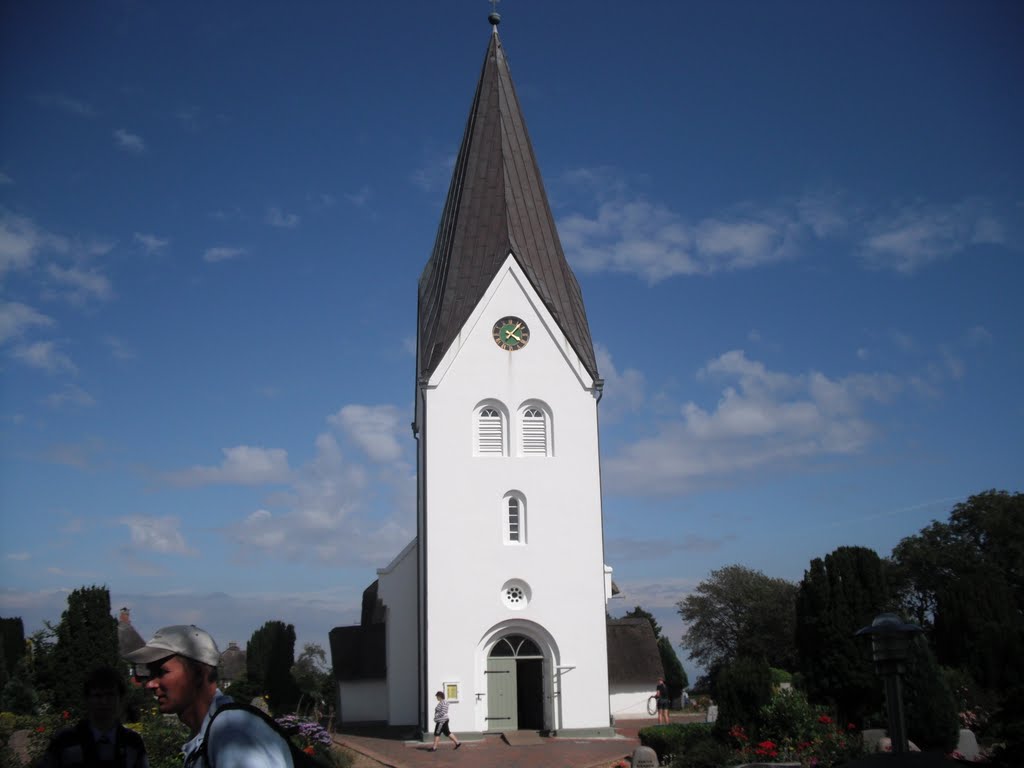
(125,617)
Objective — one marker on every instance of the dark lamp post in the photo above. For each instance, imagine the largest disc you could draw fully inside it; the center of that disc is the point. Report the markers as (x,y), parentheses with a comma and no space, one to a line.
(890,642)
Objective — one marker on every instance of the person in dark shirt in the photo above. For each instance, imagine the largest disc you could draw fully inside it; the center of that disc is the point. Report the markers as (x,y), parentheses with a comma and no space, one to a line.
(98,741)
(663,701)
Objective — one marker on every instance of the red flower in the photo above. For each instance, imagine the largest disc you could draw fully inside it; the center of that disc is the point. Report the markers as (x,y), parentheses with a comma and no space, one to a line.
(738,733)
(40,729)
(851,726)
(825,719)
(309,750)
(766,749)
(65,715)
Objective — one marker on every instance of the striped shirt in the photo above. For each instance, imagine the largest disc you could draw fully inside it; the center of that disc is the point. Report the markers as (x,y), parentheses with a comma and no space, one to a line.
(441,711)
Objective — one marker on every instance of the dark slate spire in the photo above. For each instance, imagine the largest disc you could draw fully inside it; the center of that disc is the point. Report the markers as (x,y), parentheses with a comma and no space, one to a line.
(496,205)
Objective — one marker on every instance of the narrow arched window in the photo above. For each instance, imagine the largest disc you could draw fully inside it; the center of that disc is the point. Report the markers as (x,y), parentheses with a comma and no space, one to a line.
(490,432)
(534,432)
(514,514)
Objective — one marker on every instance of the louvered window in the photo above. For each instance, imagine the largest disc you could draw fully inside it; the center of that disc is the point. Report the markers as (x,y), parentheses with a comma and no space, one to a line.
(490,434)
(513,519)
(514,513)
(534,430)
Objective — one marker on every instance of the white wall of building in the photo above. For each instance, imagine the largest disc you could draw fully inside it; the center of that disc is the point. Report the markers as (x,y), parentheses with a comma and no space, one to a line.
(397,589)
(363,701)
(467,560)
(629,702)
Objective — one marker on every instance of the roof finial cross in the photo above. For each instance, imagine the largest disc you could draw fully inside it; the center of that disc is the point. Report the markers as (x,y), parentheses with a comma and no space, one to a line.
(494,17)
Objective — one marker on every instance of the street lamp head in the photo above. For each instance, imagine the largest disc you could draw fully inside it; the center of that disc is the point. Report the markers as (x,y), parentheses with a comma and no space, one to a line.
(890,638)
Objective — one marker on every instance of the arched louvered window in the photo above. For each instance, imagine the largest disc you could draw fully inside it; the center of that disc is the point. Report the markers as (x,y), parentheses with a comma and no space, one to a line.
(490,432)
(514,513)
(534,432)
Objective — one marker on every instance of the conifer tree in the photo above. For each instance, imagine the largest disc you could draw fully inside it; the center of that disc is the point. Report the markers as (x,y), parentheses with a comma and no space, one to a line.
(269,657)
(837,596)
(86,638)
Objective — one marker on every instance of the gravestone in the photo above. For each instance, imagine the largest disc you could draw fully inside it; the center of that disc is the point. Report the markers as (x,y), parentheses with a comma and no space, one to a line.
(968,745)
(712,714)
(645,757)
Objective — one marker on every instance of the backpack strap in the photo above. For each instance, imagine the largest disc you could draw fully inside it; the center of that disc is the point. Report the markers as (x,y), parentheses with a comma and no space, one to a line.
(255,711)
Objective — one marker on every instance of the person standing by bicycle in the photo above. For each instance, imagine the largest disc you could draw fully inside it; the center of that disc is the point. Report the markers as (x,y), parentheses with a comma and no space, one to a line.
(661,693)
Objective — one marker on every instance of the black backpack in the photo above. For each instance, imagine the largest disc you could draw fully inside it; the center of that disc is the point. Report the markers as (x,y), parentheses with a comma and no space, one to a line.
(300,759)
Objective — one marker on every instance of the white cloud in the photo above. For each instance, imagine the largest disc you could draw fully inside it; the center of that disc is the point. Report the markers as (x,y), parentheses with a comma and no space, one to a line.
(18,556)
(920,234)
(623,391)
(129,142)
(374,428)
(242,465)
(16,318)
(650,240)
(222,253)
(81,285)
(118,349)
(278,218)
(66,104)
(324,517)
(45,356)
(150,243)
(359,199)
(157,534)
(763,418)
(21,241)
(70,395)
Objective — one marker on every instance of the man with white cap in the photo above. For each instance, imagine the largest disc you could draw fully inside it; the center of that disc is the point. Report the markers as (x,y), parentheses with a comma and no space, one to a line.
(182,661)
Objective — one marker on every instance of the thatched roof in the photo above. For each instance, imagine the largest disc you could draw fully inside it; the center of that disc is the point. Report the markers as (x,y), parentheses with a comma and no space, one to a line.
(232,663)
(633,655)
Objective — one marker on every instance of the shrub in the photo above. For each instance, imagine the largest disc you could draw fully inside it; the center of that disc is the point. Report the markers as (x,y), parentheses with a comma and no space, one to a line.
(164,735)
(743,687)
(791,729)
(675,739)
(703,751)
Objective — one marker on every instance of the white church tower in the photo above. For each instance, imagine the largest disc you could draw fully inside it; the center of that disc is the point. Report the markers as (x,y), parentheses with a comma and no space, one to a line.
(500,600)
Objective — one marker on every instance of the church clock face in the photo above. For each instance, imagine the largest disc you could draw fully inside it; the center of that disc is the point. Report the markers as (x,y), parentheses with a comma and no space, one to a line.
(511,333)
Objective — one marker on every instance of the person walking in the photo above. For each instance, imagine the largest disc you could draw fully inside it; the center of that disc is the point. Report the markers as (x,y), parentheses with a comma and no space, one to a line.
(99,739)
(441,722)
(182,661)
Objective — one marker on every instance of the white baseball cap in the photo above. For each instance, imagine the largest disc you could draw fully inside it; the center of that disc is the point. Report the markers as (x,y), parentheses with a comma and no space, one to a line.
(186,640)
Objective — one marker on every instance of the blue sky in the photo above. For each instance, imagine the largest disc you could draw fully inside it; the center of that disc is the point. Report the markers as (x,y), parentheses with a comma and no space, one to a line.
(797,226)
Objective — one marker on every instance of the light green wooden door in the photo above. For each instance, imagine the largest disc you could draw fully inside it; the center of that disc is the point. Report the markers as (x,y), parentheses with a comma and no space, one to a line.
(501,695)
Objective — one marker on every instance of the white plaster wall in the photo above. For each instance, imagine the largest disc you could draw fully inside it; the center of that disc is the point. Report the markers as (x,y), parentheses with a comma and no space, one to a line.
(629,702)
(467,560)
(397,589)
(363,701)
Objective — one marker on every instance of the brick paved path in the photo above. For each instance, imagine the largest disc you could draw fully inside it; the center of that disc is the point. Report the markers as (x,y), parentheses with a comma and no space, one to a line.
(493,752)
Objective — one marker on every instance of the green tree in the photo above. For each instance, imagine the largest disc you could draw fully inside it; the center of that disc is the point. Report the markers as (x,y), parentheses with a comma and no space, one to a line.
(311,674)
(675,675)
(736,612)
(965,579)
(86,638)
(837,596)
(640,613)
(742,688)
(931,709)
(19,695)
(269,657)
(12,646)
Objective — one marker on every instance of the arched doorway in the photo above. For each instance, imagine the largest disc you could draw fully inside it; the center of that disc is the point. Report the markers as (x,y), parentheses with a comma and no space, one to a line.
(515,685)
